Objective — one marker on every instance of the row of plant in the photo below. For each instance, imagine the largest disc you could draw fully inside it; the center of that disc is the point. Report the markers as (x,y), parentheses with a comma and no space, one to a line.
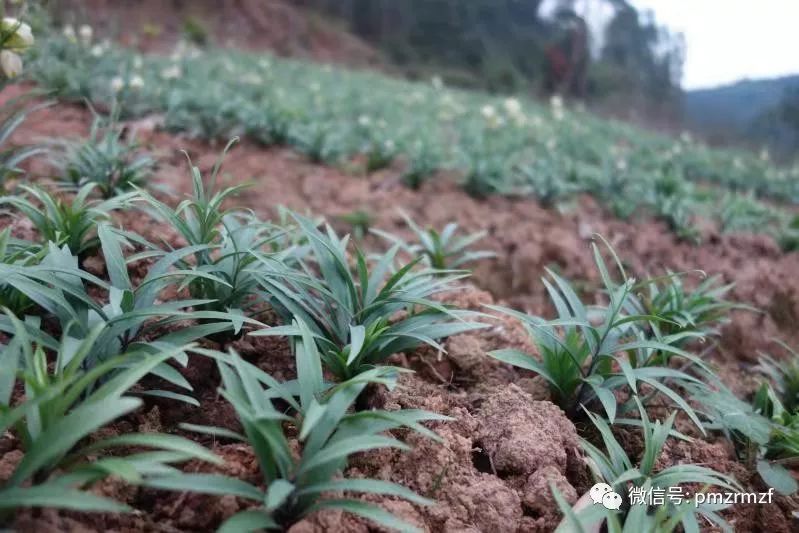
(83,342)
(500,146)
(78,344)
(618,363)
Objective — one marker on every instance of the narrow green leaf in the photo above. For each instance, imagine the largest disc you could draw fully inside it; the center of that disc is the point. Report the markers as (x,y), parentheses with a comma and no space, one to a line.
(206,484)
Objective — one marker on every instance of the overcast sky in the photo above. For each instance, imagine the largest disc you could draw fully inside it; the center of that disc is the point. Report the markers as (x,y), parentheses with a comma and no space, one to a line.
(728,40)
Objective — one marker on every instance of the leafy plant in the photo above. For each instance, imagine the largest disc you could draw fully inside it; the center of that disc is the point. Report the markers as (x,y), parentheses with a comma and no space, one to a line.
(423,161)
(56,285)
(444,250)
(222,243)
(781,449)
(131,306)
(486,176)
(13,113)
(18,253)
(784,375)
(71,224)
(673,201)
(614,467)
(271,125)
(359,220)
(546,180)
(676,211)
(758,440)
(778,400)
(63,405)
(787,234)
(318,140)
(590,352)
(205,114)
(328,433)
(744,213)
(680,310)
(47,276)
(359,319)
(105,159)
(380,155)
(195,31)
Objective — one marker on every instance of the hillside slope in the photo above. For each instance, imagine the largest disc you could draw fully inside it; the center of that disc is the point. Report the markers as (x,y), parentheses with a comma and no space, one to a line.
(739,111)
(255,25)
(494,145)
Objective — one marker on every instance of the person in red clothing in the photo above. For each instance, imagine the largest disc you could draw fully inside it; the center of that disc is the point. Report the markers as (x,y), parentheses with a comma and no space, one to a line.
(567,58)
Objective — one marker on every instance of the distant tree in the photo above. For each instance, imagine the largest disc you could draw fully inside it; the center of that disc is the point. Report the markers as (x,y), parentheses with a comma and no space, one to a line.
(778,127)
(508,45)
(649,56)
(789,107)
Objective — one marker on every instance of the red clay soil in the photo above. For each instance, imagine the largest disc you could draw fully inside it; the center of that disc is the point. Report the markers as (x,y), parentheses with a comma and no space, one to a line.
(507,442)
(257,25)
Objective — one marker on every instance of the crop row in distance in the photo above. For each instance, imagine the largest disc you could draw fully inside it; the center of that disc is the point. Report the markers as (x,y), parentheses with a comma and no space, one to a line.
(498,146)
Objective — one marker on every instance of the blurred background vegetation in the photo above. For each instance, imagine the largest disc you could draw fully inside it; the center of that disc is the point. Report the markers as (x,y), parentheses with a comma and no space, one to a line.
(616,58)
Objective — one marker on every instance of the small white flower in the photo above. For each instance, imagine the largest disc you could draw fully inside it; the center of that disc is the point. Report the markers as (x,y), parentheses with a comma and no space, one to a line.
(513,106)
(520,120)
(491,117)
(23,36)
(86,33)
(193,51)
(136,82)
(25,33)
(390,145)
(437,83)
(97,50)
(117,83)
(621,165)
(556,101)
(364,121)
(252,79)
(11,64)
(69,33)
(171,73)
